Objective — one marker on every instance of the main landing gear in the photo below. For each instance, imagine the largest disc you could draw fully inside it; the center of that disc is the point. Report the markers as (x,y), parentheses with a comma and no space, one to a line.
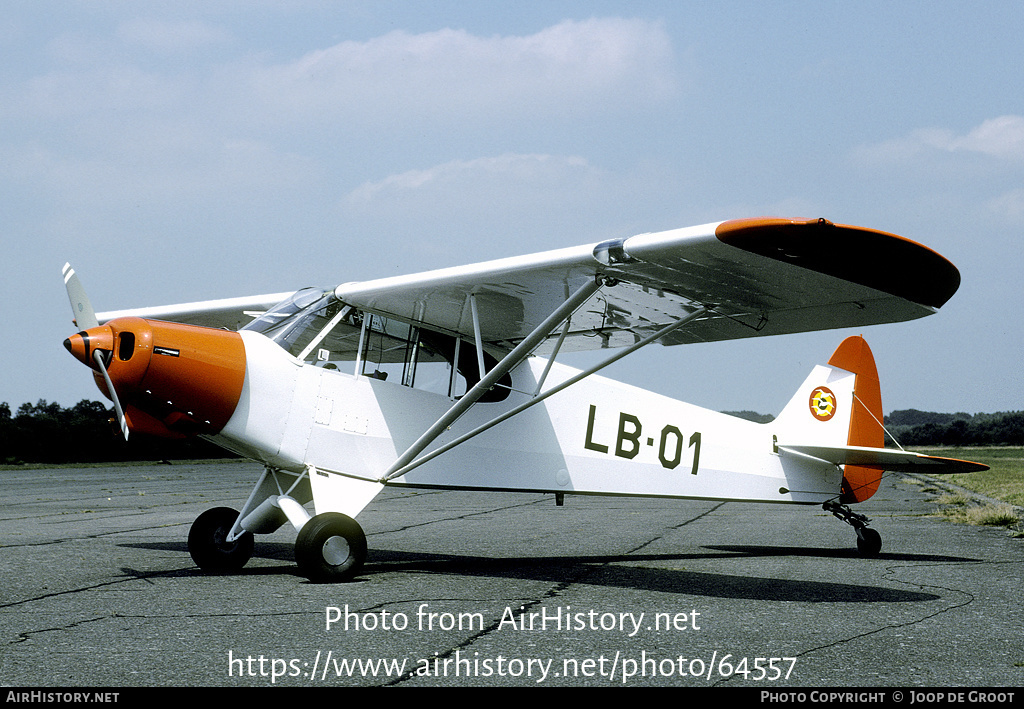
(869,541)
(208,542)
(330,548)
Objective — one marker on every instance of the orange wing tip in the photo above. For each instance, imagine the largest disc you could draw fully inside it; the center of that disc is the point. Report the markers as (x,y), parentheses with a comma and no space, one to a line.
(875,259)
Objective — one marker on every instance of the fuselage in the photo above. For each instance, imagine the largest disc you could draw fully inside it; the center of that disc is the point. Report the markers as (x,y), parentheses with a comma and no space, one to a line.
(597,437)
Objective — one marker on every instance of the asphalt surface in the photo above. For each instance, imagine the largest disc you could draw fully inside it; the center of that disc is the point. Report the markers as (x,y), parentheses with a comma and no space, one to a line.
(98,589)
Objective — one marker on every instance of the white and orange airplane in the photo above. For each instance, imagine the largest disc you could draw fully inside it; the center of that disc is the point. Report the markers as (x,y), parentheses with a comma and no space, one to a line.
(450,379)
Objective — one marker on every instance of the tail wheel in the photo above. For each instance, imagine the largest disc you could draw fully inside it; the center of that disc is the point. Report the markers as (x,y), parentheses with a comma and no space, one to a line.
(331,547)
(208,545)
(869,542)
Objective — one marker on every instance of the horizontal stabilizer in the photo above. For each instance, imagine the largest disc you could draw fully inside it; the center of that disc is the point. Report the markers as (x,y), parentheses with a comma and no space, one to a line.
(884,459)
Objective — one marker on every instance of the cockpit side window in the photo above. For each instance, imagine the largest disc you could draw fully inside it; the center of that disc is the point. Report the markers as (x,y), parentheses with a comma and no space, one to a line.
(462,355)
(319,329)
(425,359)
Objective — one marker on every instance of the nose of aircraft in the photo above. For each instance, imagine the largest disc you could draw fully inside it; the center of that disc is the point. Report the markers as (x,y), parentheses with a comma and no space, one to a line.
(81,345)
(174,379)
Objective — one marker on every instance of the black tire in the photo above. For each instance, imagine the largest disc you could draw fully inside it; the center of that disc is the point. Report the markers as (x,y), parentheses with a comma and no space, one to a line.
(208,545)
(869,542)
(330,548)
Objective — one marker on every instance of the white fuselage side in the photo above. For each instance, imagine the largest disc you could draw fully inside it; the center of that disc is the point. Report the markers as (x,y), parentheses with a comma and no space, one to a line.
(597,437)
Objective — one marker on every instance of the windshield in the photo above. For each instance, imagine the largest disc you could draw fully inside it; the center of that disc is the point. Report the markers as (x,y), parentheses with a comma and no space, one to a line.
(285,309)
(312,325)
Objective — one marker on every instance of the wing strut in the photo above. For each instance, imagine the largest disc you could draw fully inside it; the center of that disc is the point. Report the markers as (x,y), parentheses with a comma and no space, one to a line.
(397,471)
(507,364)
(477,336)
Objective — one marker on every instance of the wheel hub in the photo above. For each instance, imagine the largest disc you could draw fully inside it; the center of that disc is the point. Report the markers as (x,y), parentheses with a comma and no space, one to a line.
(336,551)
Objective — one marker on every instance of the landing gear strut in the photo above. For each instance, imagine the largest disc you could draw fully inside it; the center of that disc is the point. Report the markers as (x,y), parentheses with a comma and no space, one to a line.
(869,541)
(330,546)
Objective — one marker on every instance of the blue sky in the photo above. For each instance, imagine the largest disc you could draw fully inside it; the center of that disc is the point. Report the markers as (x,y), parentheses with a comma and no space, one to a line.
(179,151)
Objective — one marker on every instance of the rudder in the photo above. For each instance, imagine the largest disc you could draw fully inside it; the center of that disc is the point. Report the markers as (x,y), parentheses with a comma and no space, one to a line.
(854,355)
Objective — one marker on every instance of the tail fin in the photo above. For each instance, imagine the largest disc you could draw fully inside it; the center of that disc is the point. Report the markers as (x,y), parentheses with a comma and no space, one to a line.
(840,405)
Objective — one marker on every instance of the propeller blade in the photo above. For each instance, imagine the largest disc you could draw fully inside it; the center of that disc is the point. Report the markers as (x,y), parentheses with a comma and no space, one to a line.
(122,421)
(85,316)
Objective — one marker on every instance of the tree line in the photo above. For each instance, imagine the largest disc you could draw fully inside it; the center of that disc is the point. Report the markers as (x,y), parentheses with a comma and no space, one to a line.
(46,432)
(911,427)
(925,428)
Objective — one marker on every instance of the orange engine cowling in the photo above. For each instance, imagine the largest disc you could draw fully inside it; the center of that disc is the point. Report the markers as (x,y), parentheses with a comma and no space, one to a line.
(172,379)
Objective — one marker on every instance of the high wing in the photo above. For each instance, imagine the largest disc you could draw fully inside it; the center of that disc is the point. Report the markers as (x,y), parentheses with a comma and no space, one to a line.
(226,313)
(756,277)
(765,276)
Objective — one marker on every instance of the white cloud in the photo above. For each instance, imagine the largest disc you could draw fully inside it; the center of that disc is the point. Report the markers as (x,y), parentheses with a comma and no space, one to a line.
(1001,138)
(559,69)
(505,205)
(474,176)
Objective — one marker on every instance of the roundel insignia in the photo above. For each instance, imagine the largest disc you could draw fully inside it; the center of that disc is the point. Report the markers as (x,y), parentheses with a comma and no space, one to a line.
(823,403)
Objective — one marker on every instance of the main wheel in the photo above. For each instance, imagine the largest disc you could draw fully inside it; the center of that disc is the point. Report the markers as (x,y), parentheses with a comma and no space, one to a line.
(331,547)
(869,542)
(208,545)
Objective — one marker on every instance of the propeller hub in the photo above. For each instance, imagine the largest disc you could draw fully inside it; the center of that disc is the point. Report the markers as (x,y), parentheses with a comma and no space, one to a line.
(83,344)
